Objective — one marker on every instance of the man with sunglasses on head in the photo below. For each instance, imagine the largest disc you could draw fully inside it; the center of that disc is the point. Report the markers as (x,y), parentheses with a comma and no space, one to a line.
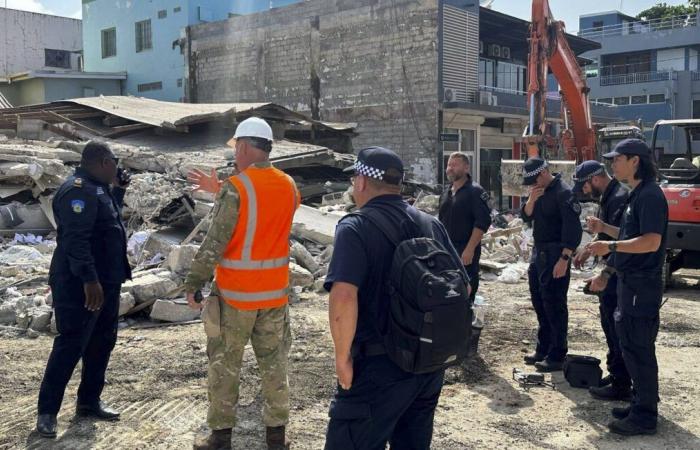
(591,179)
(87,271)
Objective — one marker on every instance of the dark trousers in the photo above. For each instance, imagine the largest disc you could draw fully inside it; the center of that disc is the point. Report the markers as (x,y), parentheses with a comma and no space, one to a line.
(384,404)
(637,324)
(615,362)
(81,334)
(473,272)
(548,297)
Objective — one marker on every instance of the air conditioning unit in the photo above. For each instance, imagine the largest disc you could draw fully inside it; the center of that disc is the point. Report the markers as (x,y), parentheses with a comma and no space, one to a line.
(452,95)
(485,97)
(495,50)
(505,52)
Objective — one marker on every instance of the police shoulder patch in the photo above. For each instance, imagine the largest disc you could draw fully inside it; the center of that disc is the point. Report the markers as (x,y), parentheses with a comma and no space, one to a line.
(485,196)
(77,206)
(576,206)
(100,191)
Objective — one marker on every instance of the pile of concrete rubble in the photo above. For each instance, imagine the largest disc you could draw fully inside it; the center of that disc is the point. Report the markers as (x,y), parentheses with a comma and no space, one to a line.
(166,222)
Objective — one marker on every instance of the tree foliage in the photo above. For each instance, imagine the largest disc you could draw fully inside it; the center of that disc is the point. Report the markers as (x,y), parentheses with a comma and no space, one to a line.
(663,10)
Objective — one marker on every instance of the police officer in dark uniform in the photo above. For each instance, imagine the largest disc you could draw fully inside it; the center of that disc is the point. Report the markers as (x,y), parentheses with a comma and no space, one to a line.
(557,232)
(87,270)
(376,402)
(639,255)
(592,180)
(465,213)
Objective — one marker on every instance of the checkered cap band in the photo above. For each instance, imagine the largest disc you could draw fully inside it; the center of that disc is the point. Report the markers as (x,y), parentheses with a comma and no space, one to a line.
(591,175)
(369,171)
(536,171)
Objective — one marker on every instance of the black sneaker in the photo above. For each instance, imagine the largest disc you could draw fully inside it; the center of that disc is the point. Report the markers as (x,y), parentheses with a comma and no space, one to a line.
(621,413)
(549,366)
(611,393)
(626,427)
(606,381)
(530,360)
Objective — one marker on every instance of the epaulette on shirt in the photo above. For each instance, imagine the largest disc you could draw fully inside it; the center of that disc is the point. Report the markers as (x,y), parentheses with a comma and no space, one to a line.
(78,182)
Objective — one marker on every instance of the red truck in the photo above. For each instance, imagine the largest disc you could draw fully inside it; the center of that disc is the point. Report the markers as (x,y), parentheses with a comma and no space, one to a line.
(679,175)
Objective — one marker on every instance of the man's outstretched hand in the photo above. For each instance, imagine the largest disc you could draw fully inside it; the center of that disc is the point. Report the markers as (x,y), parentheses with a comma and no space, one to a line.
(204,182)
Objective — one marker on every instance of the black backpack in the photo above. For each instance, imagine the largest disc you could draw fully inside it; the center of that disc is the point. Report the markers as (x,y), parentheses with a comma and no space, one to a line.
(429,322)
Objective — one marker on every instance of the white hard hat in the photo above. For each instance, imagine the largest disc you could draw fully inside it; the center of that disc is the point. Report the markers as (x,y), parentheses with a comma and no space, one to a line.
(254,127)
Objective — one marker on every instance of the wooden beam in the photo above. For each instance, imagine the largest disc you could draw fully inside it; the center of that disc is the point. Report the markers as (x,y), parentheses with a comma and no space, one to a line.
(74,123)
(127,129)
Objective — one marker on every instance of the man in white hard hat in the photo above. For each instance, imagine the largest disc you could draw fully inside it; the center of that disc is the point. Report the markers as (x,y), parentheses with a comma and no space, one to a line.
(247,247)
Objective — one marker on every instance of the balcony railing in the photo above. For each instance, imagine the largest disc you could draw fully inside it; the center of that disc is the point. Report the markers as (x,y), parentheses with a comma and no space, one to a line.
(640,27)
(637,77)
(695,75)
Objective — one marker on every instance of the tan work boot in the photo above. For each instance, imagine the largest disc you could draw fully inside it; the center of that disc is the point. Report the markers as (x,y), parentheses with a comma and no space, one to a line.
(215,440)
(275,438)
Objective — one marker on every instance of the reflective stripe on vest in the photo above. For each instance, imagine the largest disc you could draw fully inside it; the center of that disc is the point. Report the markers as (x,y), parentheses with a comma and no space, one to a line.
(253,296)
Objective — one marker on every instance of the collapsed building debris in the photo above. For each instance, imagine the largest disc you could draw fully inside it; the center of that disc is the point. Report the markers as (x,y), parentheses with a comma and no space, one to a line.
(159,143)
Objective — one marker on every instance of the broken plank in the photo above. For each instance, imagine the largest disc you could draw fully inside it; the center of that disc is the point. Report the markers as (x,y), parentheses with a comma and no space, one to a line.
(127,129)
(74,123)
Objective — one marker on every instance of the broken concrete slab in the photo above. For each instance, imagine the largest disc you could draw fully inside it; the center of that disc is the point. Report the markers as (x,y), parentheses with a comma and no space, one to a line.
(298,276)
(181,257)
(126,302)
(41,318)
(173,311)
(303,257)
(149,287)
(314,225)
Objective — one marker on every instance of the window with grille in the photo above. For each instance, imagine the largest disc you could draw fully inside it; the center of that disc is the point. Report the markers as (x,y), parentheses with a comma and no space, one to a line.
(639,99)
(177,9)
(143,36)
(179,82)
(163,13)
(155,86)
(57,58)
(622,100)
(657,98)
(109,42)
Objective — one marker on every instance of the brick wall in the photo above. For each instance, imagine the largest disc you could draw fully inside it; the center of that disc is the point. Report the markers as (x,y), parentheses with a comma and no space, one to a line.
(373,62)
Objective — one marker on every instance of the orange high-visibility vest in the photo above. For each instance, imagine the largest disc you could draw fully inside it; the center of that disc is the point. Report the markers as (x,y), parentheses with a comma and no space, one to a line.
(254,270)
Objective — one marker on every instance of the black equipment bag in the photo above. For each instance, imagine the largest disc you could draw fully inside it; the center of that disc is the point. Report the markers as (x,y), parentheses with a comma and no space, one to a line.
(582,371)
(429,322)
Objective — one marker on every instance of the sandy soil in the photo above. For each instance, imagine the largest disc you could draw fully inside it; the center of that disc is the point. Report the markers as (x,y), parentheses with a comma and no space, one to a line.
(157,377)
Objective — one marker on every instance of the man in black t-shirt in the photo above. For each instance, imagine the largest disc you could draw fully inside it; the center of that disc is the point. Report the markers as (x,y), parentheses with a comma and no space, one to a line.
(465,213)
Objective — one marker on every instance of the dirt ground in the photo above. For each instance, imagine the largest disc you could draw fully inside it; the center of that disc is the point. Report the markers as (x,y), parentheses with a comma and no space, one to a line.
(157,377)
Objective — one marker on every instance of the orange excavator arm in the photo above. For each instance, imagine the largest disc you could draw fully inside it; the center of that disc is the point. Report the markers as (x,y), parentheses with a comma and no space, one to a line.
(550,49)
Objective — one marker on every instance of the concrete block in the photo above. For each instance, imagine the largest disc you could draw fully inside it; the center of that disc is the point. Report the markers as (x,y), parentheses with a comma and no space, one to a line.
(41,318)
(181,257)
(298,276)
(303,257)
(126,302)
(314,225)
(173,311)
(149,287)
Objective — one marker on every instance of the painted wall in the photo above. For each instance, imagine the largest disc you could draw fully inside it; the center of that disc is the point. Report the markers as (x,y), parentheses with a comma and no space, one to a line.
(25,35)
(162,63)
(670,59)
(61,89)
(608,19)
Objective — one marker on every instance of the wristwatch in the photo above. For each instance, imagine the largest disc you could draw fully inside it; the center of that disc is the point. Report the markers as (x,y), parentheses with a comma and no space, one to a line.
(565,257)
(612,246)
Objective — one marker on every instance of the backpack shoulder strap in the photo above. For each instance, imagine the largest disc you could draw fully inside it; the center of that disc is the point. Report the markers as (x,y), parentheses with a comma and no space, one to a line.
(381,221)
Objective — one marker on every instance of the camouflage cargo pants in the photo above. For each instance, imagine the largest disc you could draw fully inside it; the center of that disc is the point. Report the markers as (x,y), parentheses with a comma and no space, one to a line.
(270,335)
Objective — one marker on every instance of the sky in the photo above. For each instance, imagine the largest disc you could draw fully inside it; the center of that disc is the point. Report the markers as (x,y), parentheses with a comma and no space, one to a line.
(566,10)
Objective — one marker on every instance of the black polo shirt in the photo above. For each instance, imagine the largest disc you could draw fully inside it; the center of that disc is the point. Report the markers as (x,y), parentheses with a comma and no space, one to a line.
(467,209)
(646,212)
(362,256)
(556,216)
(612,206)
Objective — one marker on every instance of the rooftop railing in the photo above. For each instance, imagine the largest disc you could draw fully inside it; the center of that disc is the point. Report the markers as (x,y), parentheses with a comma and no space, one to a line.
(640,27)
(637,77)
